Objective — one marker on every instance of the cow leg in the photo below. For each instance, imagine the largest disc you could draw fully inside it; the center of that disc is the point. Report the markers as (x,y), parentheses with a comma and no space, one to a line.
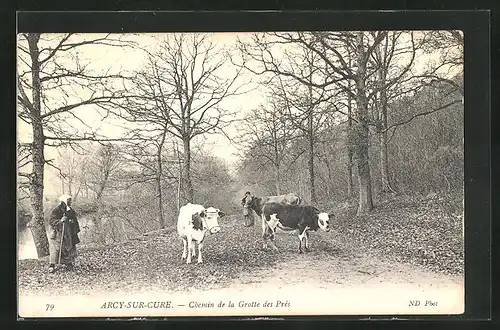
(264,241)
(184,250)
(273,236)
(307,240)
(193,249)
(264,227)
(189,249)
(200,246)
(301,237)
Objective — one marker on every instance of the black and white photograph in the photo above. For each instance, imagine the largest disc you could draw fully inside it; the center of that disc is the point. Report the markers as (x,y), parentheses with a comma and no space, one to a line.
(240,173)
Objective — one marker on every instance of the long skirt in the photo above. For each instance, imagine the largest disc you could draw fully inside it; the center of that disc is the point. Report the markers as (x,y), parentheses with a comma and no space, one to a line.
(68,251)
(248,214)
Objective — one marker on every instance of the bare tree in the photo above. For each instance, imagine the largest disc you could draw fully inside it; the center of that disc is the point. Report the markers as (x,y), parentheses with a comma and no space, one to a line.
(103,171)
(182,89)
(150,162)
(449,46)
(331,49)
(53,83)
(266,134)
(104,166)
(349,146)
(394,58)
(73,168)
(306,114)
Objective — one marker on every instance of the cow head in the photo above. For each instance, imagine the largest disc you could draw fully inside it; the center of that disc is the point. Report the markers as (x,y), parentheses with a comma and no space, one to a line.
(324,221)
(255,204)
(211,217)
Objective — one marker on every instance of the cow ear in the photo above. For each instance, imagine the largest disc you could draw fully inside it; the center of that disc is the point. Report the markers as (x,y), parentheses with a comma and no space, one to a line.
(202,214)
(221,214)
(330,215)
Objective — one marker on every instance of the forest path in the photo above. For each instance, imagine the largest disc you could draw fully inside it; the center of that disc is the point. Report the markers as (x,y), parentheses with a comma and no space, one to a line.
(338,274)
(235,265)
(327,267)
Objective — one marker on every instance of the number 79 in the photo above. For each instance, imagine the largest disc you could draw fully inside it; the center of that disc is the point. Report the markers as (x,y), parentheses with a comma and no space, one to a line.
(49,307)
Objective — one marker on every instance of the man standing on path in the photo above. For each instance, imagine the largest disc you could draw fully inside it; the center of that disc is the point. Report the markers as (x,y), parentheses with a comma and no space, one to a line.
(63,234)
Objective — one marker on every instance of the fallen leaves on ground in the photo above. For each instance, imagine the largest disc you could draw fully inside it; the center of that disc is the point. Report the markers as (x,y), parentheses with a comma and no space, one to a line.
(155,261)
(408,230)
(419,231)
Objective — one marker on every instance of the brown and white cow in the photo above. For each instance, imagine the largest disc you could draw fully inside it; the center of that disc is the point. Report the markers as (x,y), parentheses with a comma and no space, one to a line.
(257,203)
(193,223)
(301,218)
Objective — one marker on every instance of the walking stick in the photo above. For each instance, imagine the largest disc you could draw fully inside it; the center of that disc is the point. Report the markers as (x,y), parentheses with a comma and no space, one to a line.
(60,246)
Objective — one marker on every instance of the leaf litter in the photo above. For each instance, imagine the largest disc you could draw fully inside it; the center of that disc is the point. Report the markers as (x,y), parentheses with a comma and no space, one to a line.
(404,230)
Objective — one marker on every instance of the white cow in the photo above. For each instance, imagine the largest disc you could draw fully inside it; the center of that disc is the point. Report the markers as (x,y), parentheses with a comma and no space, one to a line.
(193,223)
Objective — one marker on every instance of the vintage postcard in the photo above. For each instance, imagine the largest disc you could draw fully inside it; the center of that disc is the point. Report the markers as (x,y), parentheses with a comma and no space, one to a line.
(240,174)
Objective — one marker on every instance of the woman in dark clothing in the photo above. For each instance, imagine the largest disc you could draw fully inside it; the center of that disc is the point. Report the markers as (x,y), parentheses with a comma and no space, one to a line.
(247,212)
(63,234)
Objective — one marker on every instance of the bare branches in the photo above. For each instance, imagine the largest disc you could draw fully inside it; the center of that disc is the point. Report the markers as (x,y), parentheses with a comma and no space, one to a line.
(64,85)
(83,138)
(64,45)
(449,104)
(181,85)
(91,100)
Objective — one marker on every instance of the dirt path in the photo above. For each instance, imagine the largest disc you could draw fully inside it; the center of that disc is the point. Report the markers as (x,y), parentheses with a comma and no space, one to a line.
(336,262)
(336,277)
(359,284)
(326,272)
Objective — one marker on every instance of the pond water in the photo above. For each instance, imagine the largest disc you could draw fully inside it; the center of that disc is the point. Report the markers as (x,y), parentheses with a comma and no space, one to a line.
(26,245)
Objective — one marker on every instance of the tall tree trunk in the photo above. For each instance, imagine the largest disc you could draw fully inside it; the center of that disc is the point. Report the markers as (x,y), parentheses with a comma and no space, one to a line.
(188,185)
(102,186)
(329,185)
(36,182)
(179,181)
(311,158)
(382,125)
(161,216)
(384,158)
(384,163)
(278,179)
(276,158)
(62,183)
(349,147)
(364,177)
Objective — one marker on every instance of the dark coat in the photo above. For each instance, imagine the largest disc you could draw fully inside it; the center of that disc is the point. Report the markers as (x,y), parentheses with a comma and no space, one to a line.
(72,223)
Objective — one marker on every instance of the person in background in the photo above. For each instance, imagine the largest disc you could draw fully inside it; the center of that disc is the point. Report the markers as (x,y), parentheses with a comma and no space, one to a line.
(246,199)
(247,213)
(62,244)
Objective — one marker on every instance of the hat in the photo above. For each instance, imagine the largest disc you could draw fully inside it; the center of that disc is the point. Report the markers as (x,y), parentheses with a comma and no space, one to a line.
(64,199)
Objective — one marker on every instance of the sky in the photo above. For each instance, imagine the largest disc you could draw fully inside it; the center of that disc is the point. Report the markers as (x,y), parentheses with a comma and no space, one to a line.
(104,58)
(100,58)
